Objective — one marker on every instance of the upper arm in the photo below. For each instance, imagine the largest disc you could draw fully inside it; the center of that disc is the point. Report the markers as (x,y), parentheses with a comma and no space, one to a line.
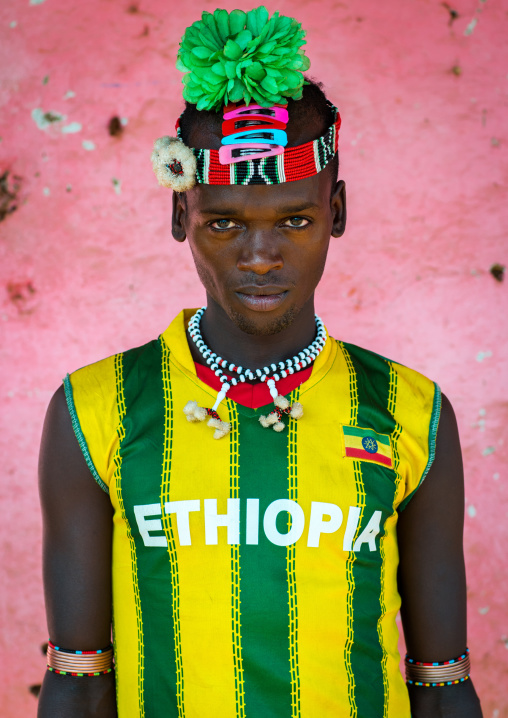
(431,577)
(77,534)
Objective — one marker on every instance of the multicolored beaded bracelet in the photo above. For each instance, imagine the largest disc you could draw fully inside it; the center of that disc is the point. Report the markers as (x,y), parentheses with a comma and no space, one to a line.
(438,673)
(80,653)
(435,664)
(433,685)
(69,662)
(79,675)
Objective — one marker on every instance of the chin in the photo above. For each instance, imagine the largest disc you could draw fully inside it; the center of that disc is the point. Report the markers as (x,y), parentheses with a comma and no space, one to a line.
(266,325)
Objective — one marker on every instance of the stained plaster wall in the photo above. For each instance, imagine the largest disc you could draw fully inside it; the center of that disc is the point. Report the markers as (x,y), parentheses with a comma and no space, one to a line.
(88,266)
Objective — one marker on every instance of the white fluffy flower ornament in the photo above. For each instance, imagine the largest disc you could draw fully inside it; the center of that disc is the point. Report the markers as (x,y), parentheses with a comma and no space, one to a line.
(282,408)
(174,164)
(195,413)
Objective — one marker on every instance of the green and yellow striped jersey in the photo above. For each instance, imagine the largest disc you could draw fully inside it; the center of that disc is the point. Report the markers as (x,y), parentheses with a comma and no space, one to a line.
(255,576)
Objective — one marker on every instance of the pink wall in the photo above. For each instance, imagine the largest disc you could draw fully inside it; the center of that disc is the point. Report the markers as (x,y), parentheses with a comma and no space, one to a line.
(88,267)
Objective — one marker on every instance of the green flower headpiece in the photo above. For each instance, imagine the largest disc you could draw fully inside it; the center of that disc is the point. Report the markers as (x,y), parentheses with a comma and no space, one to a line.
(242,56)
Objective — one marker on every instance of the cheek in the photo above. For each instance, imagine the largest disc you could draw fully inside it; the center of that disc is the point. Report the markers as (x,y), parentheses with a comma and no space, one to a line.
(203,269)
(211,269)
(312,262)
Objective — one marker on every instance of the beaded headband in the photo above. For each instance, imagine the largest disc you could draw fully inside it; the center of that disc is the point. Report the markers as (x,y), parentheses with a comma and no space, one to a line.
(250,65)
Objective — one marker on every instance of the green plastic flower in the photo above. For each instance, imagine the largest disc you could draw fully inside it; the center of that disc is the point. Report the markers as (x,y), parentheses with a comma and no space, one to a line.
(242,56)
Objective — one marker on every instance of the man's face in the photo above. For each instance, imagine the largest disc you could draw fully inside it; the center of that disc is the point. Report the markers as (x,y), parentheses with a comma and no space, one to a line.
(260,251)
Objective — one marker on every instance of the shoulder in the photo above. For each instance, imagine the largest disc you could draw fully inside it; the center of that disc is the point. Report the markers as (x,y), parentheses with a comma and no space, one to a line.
(400,403)
(378,373)
(97,382)
(95,406)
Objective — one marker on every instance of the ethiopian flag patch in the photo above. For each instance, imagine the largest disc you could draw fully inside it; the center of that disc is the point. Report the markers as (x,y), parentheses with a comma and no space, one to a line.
(367,445)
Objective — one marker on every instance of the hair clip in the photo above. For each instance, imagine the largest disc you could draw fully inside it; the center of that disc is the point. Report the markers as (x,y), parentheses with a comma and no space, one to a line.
(266,136)
(253,122)
(277,112)
(229,154)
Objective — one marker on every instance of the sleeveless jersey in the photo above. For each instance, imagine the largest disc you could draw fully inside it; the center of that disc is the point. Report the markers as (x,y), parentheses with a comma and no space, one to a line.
(255,576)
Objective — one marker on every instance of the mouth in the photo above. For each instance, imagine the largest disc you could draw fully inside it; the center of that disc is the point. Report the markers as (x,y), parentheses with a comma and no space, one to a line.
(262,299)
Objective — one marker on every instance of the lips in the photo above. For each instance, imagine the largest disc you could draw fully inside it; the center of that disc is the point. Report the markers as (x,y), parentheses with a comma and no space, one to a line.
(262,299)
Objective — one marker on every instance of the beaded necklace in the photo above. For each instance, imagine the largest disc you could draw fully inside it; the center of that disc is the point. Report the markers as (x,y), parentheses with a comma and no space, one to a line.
(269,374)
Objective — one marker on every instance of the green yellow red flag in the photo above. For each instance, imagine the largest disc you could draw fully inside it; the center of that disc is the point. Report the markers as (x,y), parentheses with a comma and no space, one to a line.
(367,445)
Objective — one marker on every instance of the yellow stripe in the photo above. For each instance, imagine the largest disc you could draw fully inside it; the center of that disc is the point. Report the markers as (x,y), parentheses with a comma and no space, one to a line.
(169,528)
(235,567)
(127,613)
(291,571)
(381,627)
(96,407)
(203,468)
(413,388)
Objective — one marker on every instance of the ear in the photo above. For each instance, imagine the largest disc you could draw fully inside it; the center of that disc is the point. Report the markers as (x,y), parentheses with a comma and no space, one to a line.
(338,207)
(179,216)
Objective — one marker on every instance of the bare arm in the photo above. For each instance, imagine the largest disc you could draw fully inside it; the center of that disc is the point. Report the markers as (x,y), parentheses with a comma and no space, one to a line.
(77,519)
(432,579)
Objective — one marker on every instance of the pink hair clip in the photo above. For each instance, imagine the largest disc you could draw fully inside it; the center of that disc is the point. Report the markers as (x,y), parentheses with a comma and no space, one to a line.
(229,127)
(256,111)
(229,154)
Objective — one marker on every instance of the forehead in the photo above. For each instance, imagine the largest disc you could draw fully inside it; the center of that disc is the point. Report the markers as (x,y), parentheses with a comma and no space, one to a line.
(279,199)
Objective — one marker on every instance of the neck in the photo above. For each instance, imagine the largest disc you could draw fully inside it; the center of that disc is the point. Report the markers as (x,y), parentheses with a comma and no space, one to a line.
(254,351)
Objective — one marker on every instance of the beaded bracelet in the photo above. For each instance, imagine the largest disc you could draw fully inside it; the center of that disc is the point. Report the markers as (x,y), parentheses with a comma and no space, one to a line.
(445,673)
(67,662)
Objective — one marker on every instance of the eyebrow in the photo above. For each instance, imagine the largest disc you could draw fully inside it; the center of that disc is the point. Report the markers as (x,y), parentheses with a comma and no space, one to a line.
(287,209)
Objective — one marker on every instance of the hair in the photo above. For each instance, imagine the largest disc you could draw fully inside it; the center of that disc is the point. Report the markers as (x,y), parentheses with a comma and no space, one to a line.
(308,119)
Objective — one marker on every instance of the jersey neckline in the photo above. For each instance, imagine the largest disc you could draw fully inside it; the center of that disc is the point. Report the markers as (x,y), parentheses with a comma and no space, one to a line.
(175,338)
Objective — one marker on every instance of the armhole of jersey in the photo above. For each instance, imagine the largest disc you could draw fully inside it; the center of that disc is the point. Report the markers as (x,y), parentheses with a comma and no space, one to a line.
(79,433)
(433,426)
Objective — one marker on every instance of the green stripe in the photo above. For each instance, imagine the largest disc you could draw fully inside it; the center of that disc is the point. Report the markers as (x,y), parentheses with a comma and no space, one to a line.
(263,473)
(373,383)
(142,461)
(79,433)
(356,431)
(434,424)
(120,402)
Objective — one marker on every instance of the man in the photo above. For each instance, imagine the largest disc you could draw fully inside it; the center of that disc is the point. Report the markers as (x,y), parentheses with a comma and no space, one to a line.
(264,496)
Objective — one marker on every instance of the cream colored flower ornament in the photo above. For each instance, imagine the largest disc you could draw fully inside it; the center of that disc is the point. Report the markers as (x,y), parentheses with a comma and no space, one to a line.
(174,164)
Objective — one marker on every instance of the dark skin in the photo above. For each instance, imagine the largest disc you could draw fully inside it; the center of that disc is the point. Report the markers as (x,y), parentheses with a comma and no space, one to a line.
(260,253)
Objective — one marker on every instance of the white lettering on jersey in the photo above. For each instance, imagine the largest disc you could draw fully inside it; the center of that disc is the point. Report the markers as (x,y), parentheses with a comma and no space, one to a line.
(353,520)
(369,533)
(182,510)
(317,524)
(325,518)
(213,520)
(297,522)
(252,530)
(146,525)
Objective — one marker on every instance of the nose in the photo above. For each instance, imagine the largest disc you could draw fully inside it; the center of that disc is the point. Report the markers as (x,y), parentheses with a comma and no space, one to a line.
(260,254)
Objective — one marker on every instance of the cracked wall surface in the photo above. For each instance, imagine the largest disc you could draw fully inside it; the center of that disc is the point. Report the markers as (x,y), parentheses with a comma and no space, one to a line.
(88,266)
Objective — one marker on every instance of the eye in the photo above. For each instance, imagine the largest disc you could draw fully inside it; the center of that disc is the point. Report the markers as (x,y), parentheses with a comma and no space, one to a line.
(222,224)
(296,222)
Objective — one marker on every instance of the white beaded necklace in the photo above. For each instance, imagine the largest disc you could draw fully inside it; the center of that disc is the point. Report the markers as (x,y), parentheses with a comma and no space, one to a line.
(269,374)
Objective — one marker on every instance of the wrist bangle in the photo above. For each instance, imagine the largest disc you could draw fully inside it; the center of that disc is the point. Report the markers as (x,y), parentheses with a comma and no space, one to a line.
(79,663)
(445,673)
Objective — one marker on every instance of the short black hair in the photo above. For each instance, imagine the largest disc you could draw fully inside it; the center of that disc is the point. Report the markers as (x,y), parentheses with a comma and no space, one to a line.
(311,115)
